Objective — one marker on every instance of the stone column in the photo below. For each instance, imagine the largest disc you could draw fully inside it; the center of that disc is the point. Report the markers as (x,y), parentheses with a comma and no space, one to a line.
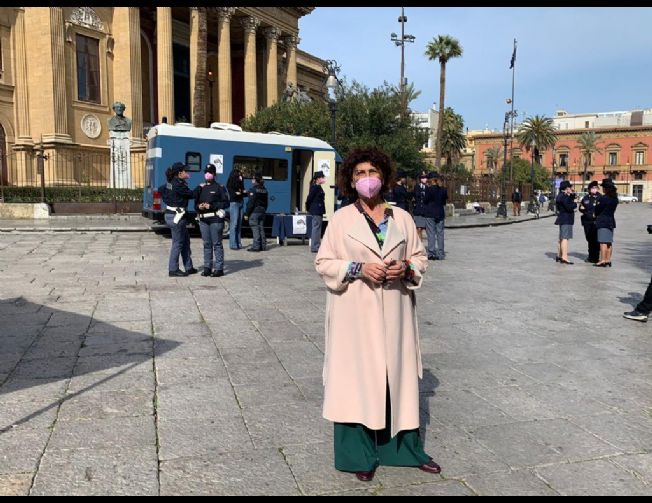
(127,74)
(57,40)
(224,63)
(198,81)
(271,55)
(250,24)
(22,107)
(165,73)
(291,43)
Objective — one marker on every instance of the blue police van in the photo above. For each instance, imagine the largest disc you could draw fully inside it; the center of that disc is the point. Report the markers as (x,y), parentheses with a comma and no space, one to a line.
(287,163)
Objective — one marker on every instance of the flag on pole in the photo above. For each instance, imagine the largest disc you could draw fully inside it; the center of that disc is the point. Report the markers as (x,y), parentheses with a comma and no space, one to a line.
(511,64)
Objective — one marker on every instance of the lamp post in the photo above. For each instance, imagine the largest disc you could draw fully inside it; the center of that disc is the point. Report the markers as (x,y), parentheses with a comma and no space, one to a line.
(332,68)
(401,42)
(211,80)
(551,203)
(502,207)
(533,145)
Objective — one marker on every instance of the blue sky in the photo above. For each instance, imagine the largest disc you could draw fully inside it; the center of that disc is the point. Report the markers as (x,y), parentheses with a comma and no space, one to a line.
(580,59)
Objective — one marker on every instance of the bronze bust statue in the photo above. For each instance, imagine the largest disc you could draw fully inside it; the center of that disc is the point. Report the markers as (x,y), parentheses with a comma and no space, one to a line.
(119,122)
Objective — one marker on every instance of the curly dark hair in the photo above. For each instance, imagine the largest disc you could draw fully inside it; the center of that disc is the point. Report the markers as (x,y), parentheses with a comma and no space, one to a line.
(373,155)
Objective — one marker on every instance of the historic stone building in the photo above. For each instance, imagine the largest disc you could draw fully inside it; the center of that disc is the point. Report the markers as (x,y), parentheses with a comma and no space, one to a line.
(61,68)
(624,140)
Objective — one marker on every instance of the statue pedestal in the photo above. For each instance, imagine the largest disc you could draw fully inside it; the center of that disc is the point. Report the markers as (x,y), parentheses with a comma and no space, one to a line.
(120,166)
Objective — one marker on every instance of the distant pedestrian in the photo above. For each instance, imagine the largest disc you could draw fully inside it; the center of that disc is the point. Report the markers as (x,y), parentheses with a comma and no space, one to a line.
(211,201)
(565,220)
(176,194)
(587,208)
(237,193)
(255,213)
(372,260)
(517,197)
(316,206)
(605,221)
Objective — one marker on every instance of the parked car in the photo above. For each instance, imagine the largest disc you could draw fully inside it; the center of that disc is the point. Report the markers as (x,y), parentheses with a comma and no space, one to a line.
(624,198)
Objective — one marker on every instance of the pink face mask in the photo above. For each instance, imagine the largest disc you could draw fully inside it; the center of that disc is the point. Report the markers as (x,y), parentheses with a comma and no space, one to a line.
(208,176)
(368,187)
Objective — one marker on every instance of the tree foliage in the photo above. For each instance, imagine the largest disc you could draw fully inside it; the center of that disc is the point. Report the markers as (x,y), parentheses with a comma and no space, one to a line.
(521,174)
(363,117)
(539,129)
(453,140)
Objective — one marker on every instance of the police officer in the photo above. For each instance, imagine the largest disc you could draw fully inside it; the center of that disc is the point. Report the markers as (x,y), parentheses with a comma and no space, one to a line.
(316,206)
(566,205)
(211,199)
(587,208)
(435,211)
(401,194)
(175,194)
(255,213)
(419,205)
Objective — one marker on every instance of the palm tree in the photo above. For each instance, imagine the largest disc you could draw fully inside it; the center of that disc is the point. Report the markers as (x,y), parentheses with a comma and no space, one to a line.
(443,48)
(199,94)
(588,144)
(538,130)
(453,140)
(493,155)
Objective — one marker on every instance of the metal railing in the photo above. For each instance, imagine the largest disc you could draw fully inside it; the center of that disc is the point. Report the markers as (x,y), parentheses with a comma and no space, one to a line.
(67,175)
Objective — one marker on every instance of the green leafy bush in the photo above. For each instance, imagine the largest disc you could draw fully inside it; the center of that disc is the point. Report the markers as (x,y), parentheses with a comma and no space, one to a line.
(71,195)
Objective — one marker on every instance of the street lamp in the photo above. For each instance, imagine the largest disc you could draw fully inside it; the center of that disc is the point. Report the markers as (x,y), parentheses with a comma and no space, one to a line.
(401,42)
(502,207)
(551,203)
(211,80)
(332,83)
(533,145)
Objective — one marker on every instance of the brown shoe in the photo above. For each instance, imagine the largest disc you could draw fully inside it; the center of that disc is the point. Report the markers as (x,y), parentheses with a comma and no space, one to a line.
(430,467)
(365,476)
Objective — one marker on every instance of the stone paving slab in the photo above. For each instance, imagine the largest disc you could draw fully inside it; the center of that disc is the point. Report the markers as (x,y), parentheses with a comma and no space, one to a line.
(116,379)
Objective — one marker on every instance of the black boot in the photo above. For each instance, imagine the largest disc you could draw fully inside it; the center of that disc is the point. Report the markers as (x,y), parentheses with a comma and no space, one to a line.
(206,271)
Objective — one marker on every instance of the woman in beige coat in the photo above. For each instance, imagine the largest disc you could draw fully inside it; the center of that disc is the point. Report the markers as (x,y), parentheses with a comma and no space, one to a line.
(372,260)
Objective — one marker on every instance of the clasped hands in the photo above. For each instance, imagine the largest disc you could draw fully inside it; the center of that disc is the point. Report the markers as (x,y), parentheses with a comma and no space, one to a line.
(378,274)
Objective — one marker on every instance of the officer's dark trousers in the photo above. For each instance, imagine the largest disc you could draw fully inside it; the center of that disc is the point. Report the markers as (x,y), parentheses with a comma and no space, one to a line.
(212,234)
(359,449)
(645,306)
(591,234)
(256,221)
(180,243)
(315,233)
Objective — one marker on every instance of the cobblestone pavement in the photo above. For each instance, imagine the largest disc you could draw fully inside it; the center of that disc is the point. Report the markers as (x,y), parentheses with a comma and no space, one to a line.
(116,379)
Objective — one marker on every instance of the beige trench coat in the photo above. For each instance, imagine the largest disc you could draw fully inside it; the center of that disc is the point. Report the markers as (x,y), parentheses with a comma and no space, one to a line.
(372,335)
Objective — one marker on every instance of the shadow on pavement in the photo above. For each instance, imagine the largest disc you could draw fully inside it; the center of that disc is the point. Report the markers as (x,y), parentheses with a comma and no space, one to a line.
(427,388)
(41,346)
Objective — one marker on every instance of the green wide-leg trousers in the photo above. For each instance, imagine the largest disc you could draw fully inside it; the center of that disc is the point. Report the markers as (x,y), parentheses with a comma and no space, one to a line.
(360,449)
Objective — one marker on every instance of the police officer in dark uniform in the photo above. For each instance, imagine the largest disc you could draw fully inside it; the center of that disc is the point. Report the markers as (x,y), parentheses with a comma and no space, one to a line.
(435,212)
(587,208)
(316,206)
(176,194)
(401,194)
(419,203)
(211,199)
(255,213)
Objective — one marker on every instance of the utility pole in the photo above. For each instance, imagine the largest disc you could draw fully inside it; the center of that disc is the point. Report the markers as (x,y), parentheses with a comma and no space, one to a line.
(401,42)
